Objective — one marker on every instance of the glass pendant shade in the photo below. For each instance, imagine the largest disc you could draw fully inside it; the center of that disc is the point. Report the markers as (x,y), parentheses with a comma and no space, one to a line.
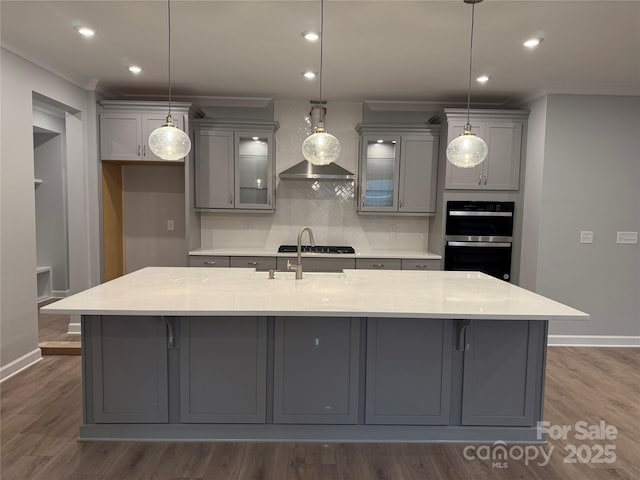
(467,150)
(321,148)
(169,142)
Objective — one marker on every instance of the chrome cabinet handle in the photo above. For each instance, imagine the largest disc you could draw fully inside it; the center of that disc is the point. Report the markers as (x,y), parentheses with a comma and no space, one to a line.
(253,264)
(144,150)
(480,179)
(401,202)
(378,265)
(211,262)
(231,198)
(422,265)
(138,150)
(485,178)
(462,345)
(362,200)
(171,339)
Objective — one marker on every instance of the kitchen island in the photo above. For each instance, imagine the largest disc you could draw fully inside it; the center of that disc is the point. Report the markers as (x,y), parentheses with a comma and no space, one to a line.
(363,355)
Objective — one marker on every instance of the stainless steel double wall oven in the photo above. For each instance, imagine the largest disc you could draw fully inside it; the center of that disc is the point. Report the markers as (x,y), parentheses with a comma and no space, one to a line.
(479,237)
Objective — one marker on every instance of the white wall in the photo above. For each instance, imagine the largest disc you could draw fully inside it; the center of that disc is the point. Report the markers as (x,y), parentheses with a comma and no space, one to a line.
(587,179)
(328,207)
(18,312)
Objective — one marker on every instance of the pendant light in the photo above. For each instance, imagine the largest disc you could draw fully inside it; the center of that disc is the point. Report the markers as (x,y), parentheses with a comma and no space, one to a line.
(321,148)
(169,142)
(468,150)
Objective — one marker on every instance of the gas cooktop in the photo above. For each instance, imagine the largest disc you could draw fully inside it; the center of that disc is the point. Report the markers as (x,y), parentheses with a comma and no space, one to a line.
(316,249)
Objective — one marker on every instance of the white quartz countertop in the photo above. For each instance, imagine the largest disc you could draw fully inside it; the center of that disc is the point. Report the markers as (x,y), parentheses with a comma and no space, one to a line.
(177,291)
(258,252)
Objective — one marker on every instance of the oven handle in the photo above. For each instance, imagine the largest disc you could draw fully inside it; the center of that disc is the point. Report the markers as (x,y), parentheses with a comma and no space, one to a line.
(478,238)
(479,244)
(464,213)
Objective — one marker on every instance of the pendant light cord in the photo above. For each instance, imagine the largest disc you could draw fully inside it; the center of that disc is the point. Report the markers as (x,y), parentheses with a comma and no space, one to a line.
(169,19)
(321,57)
(473,8)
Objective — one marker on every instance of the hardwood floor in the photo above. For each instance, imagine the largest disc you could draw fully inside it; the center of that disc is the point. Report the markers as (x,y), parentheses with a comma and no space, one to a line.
(41,411)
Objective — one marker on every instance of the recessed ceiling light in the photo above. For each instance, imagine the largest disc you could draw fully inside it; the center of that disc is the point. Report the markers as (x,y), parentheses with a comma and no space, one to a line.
(86,31)
(255,139)
(379,141)
(311,36)
(532,42)
(135,69)
(393,141)
(309,75)
(483,78)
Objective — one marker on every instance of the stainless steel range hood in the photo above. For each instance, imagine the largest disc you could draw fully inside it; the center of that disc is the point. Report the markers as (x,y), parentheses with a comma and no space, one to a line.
(306,170)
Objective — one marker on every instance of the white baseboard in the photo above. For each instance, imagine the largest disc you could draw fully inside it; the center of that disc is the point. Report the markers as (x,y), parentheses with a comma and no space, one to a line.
(60,293)
(593,341)
(74,329)
(22,363)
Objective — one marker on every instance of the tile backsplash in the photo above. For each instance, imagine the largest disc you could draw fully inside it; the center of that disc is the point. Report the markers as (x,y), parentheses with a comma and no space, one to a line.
(329,208)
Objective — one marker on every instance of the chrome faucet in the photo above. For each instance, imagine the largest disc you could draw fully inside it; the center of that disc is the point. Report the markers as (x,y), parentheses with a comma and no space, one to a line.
(298,267)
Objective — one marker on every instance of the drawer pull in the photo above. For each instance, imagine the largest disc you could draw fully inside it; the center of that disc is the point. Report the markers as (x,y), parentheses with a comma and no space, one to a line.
(253,264)
(422,265)
(211,262)
(378,265)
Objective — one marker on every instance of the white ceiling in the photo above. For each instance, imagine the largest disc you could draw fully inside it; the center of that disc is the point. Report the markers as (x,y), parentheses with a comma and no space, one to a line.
(375,50)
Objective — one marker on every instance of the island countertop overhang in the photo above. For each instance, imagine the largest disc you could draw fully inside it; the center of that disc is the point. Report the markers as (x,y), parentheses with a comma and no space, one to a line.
(190,291)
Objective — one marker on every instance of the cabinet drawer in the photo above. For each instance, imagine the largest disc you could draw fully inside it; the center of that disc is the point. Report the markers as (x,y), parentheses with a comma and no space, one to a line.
(315,264)
(208,261)
(416,264)
(379,263)
(261,264)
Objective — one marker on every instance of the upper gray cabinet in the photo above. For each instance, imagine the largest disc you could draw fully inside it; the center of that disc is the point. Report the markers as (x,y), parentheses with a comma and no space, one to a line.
(125,128)
(398,169)
(503,130)
(235,166)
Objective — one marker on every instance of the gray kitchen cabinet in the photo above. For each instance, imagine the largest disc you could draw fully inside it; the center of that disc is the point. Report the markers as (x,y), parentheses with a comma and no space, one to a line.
(261,264)
(127,369)
(420,264)
(398,169)
(315,264)
(408,371)
(503,130)
(379,263)
(496,389)
(235,166)
(223,369)
(208,261)
(124,135)
(316,365)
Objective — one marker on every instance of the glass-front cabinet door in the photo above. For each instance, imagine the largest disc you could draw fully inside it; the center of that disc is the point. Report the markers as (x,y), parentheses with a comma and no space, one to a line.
(254,179)
(380,159)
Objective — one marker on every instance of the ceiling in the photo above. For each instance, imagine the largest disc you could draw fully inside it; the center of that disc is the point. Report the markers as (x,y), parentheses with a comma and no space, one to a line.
(373,50)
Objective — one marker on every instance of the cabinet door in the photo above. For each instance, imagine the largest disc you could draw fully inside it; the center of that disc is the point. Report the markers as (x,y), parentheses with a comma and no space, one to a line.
(214,169)
(208,261)
(378,263)
(418,264)
(261,264)
(502,372)
(380,167)
(465,178)
(408,371)
(120,136)
(254,172)
(418,173)
(502,169)
(129,369)
(316,370)
(151,121)
(223,369)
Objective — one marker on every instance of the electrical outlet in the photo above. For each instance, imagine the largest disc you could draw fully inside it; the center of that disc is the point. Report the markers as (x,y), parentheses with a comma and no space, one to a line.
(394,228)
(586,237)
(627,237)
(247,226)
(170,225)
